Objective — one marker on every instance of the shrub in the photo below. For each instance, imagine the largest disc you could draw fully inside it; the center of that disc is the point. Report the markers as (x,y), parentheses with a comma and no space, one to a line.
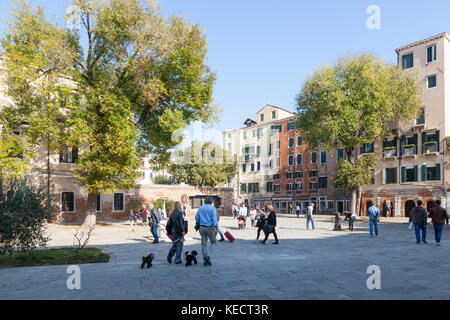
(136,204)
(23,216)
(163,180)
(159,204)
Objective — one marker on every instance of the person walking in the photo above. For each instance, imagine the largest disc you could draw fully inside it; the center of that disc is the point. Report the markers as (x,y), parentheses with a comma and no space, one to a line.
(253,216)
(234,208)
(373,213)
(144,214)
(439,217)
(418,216)
(309,216)
(206,219)
(297,211)
(155,218)
(261,223)
(351,220)
(132,218)
(271,223)
(177,229)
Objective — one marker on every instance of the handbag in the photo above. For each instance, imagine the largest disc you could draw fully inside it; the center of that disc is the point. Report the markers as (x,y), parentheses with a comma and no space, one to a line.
(410,225)
(268,228)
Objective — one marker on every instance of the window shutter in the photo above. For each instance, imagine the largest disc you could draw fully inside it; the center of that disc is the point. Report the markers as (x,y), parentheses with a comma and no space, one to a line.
(415,141)
(74,154)
(384,176)
(438,171)
(396,176)
(424,136)
(416,173)
(424,173)
(396,147)
(438,141)
(402,143)
(403,174)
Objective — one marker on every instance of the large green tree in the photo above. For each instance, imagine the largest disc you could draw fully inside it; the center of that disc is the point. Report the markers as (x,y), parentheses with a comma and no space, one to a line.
(135,78)
(203,165)
(357,101)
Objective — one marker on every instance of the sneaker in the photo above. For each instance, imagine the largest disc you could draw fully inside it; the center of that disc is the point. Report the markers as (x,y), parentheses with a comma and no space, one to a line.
(438,244)
(221,240)
(263,242)
(205,263)
(208,261)
(275,242)
(169,258)
(425,241)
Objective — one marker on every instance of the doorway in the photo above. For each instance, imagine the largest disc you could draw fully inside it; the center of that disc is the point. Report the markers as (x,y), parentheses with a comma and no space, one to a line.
(340,206)
(408,207)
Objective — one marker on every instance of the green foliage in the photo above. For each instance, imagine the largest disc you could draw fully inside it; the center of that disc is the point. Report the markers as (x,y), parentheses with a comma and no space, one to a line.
(357,101)
(14,155)
(163,180)
(206,165)
(159,204)
(23,216)
(136,204)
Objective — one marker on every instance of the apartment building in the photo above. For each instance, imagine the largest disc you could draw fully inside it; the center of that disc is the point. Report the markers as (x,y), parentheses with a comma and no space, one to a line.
(414,163)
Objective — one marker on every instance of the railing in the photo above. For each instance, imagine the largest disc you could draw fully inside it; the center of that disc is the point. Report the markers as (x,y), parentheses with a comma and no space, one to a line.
(409,150)
(390,153)
(430,147)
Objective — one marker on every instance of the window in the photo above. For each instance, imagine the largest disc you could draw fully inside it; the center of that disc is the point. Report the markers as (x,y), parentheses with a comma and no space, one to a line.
(390,148)
(99,203)
(431,53)
(250,188)
(274,114)
(431,173)
(430,142)
(253,133)
(313,186)
(298,187)
(261,117)
(259,132)
(389,175)
(278,162)
(270,149)
(409,174)
(432,81)
(258,165)
(68,155)
(299,141)
(256,187)
(407,61)
(291,125)
(291,142)
(68,202)
(323,182)
(291,160)
(289,187)
(278,145)
(298,175)
(244,135)
(313,173)
(269,187)
(323,157)
(244,167)
(276,129)
(420,120)
(299,159)
(372,179)
(252,167)
(258,151)
(118,202)
(409,145)
(314,157)
(243,188)
(276,176)
(276,188)
(270,164)
(368,148)
(289,175)
(340,154)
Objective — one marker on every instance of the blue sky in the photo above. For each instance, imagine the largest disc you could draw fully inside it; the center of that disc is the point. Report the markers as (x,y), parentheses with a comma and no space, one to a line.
(262,50)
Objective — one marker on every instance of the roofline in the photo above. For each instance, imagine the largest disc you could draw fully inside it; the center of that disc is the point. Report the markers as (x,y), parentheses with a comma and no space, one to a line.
(444,34)
(270,105)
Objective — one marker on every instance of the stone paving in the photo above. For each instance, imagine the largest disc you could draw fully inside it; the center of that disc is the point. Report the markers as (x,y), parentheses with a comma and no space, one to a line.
(319,264)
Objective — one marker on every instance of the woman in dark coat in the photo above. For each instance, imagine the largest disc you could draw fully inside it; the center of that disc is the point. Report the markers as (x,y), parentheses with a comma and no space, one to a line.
(271,223)
(177,228)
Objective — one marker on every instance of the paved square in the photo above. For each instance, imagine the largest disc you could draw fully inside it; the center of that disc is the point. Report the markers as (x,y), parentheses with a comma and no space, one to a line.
(319,264)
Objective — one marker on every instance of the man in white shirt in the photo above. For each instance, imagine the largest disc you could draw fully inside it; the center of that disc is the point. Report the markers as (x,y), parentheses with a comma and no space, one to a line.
(297,211)
(243,213)
(309,216)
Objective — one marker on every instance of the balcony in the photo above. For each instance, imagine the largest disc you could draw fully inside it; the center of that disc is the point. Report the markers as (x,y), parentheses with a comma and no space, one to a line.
(430,148)
(409,150)
(390,152)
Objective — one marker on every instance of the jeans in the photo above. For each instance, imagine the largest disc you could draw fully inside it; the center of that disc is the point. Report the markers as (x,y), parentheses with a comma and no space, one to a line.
(372,224)
(350,223)
(177,248)
(220,233)
(207,233)
(309,218)
(154,230)
(438,232)
(298,213)
(424,232)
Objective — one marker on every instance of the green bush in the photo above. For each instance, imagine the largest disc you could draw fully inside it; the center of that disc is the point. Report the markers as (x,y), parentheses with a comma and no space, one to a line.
(159,204)
(136,204)
(163,180)
(23,216)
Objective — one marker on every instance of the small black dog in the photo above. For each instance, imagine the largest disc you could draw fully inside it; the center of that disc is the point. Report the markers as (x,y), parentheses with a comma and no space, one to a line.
(147,260)
(191,258)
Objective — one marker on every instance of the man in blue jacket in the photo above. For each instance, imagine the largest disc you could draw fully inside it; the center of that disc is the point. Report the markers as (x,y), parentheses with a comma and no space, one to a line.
(155,217)
(206,218)
(373,213)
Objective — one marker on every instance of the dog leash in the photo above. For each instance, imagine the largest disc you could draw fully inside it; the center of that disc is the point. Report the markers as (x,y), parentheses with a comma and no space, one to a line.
(168,235)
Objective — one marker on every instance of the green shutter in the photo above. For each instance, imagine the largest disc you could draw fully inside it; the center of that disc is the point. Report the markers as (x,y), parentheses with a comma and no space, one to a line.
(415,142)
(384,176)
(403,174)
(438,141)
(424,173)
(438,171)
(416,173)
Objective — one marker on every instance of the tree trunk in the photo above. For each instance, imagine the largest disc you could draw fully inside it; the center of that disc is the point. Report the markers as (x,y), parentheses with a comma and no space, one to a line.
(358,201)
(91,214)
(353,201)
